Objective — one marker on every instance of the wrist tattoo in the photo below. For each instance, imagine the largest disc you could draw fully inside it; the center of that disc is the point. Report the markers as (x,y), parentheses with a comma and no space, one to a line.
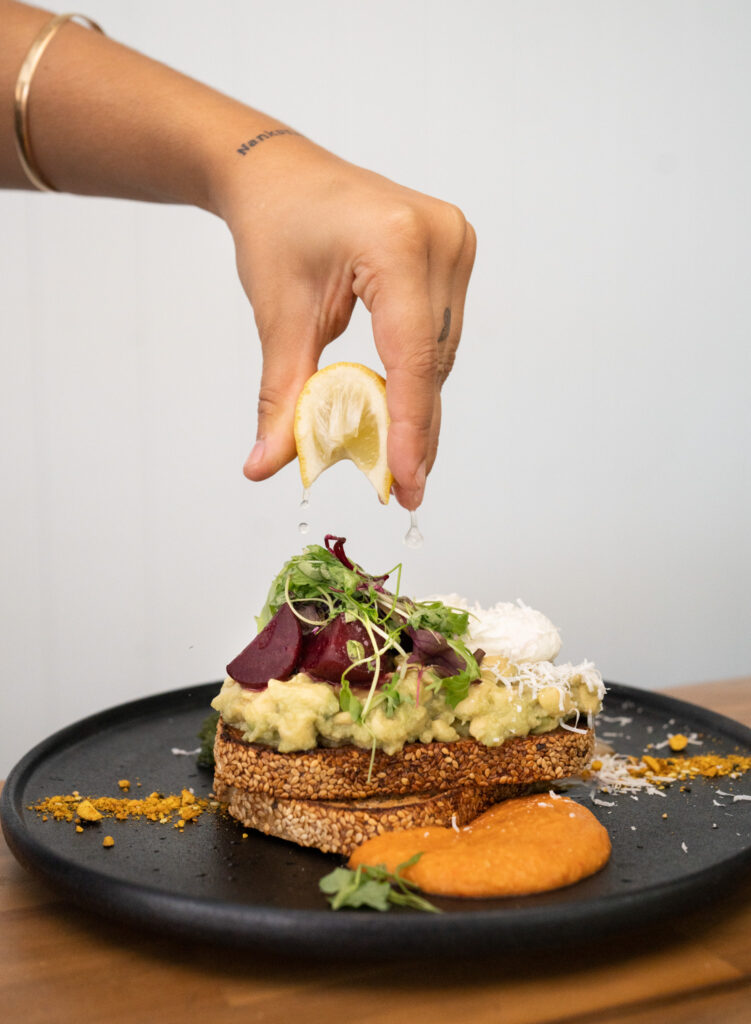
(446,325)
(262,136)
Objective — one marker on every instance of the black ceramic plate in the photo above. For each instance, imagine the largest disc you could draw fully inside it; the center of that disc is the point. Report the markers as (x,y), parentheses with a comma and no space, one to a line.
(210,883)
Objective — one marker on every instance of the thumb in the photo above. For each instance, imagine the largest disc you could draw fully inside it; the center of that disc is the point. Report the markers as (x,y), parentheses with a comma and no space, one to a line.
(289,359)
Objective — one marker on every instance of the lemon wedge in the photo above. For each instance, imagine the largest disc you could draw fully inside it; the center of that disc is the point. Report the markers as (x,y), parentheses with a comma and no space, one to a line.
(341,414)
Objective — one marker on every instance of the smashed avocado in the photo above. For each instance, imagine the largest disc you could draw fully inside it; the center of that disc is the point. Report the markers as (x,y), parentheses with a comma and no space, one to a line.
(301,713)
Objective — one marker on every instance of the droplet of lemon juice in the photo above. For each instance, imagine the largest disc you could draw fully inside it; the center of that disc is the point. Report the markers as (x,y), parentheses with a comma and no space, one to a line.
(413,538)
(305,503)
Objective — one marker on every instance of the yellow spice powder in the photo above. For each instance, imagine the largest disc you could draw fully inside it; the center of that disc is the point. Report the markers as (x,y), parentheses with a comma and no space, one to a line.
(185,806)
(708,765)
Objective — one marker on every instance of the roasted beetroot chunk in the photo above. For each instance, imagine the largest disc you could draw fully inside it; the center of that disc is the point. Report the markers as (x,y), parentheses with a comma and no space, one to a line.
(273,654)
(325,653)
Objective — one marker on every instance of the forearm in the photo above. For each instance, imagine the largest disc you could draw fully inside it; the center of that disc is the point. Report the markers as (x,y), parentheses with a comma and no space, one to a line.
(105,120)
(312,232)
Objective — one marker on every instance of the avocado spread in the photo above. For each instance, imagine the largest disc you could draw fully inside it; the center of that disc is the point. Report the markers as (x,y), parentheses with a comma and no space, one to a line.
(508,700)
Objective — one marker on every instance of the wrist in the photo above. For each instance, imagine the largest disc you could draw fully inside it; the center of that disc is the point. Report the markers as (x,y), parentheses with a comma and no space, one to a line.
(264,168)
(236,155)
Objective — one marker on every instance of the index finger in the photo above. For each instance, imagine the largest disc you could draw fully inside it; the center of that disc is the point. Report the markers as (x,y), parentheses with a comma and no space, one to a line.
(404,334)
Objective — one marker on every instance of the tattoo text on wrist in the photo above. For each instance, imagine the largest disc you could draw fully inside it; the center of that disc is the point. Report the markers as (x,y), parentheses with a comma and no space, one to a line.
(262,136)
(446,325)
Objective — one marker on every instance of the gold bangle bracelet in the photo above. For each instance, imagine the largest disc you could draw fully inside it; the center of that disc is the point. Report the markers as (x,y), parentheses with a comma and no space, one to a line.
(21,103)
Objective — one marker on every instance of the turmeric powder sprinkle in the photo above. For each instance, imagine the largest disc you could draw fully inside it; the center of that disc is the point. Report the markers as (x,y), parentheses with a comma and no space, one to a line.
(622,773)
(678,742)
(184,807)
(87,811)
(708,765)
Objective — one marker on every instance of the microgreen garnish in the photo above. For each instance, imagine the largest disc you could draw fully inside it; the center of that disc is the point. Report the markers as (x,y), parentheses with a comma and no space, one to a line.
(323,583)
(349,703)
(375,887)
(392,697)
(356,650)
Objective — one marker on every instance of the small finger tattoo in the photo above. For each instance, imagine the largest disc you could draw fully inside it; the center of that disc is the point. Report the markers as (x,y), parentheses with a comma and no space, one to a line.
(446,325)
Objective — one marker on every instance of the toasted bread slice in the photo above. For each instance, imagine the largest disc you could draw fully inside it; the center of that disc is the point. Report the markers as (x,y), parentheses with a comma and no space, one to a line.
(344,773)
(338,826)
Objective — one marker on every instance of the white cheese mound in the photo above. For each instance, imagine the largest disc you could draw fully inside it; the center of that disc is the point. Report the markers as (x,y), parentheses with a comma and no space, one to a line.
(509,630)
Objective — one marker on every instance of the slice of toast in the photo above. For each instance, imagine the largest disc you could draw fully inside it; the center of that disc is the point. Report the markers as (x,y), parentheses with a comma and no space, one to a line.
(344,773)
(338,826)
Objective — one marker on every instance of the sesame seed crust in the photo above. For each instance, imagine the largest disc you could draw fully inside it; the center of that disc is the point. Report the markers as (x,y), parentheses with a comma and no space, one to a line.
(343,773)
(340,826)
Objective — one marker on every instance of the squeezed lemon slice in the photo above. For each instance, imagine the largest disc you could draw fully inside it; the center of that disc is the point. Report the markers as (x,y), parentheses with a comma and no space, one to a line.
(341,414)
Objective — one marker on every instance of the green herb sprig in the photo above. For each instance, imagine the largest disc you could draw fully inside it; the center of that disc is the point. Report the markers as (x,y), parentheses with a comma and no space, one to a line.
(206,735)
(318,577)
(375,887)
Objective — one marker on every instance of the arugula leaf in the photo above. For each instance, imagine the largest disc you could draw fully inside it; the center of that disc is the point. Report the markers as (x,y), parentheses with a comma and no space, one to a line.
(375,887)
(456,687)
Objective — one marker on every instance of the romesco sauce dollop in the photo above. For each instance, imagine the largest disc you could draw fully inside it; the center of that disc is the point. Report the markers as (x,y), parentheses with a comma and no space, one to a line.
(518,847)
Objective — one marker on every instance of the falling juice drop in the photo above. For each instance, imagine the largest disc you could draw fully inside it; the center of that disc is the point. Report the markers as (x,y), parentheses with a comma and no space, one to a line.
(305,503)
(413,538)
(303,527)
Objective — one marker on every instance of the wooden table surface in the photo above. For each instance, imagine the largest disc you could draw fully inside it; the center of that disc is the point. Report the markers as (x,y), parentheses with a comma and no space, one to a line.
(60,964)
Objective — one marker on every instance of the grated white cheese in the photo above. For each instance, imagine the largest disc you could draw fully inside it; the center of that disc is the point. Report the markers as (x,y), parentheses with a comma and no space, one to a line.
(574,727)
(736,796)
(621,720)
(614,777)
(185,753)
(534,676)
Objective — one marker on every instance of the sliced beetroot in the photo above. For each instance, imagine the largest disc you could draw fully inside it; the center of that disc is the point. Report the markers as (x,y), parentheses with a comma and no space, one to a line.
(325,653)
(273,654)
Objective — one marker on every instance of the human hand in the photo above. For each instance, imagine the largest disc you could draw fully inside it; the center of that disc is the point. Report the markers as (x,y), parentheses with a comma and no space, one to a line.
(313,234)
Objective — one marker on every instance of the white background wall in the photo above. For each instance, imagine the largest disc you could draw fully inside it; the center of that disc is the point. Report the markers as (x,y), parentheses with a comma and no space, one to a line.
(595,455)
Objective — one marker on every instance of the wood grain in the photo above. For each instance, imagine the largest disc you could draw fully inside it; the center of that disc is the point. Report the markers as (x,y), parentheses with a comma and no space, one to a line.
(63,965)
